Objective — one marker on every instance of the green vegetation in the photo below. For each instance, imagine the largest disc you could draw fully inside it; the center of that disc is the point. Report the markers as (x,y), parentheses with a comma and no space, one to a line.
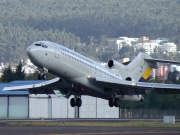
(9,75)
(155,101)
(111,124)
(70,22)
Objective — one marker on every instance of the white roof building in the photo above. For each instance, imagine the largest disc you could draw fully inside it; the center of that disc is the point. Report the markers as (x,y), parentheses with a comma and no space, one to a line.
(161,40)
(149,47)
(121,41)
(169,47)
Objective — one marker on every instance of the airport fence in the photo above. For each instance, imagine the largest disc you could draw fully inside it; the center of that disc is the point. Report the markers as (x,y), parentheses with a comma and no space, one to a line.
(147,113)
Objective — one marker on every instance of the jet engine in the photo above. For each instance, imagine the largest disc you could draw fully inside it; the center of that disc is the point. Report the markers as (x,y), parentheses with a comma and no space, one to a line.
(118,68)
(115,65)
(134,98)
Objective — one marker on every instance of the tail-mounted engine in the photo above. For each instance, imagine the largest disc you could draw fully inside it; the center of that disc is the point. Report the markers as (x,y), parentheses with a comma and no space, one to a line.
(115,65)
(119,67)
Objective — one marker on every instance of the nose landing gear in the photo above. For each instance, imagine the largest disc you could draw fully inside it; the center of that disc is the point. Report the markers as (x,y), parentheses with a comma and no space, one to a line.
(42,75)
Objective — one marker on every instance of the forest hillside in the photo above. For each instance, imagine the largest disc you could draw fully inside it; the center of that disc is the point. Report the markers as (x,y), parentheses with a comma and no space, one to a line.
(70,22)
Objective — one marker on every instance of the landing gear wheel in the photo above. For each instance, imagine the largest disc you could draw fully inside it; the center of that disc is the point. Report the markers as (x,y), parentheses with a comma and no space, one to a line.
(44,76)
(72,102)
(78,102)
(116,102)
(111,103)
(40,77)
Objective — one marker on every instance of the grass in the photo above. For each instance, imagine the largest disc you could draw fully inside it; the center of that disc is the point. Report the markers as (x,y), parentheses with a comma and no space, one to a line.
(109,124)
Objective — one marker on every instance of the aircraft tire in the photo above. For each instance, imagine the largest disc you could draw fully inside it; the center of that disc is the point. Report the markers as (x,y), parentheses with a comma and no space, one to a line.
(78,102)
(111,103)
(44,76)
(40,77)
(72,102)
(116,102)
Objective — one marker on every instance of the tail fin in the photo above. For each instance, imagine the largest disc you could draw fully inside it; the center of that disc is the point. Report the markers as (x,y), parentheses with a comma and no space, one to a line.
(141,67)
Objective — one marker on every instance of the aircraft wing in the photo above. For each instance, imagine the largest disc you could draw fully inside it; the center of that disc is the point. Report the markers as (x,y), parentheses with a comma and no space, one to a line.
(45,87)
(132,87)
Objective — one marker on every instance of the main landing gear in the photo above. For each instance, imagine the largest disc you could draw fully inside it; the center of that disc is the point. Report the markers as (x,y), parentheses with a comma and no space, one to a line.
(76,102)
(114,102)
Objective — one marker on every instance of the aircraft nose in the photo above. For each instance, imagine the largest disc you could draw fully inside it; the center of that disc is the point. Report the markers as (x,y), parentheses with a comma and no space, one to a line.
(32,54)
(29,50)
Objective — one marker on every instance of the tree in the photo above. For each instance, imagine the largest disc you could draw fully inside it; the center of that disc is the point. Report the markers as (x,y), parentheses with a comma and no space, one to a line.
(173,77)
(126,52)
(20,72)
(8,75)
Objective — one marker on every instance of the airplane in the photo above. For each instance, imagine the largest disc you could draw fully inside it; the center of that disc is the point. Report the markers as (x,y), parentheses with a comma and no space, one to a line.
(78,75)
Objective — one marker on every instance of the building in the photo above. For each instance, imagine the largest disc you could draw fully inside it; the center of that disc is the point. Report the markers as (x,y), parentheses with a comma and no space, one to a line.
(162,72)
(21,104)
(143,39)
(161,40)
(169,47)
(124,60)
(13,104)
(149,47)
(118,43)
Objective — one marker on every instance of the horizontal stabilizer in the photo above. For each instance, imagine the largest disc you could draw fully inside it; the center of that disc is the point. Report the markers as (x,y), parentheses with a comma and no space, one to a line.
(162,61)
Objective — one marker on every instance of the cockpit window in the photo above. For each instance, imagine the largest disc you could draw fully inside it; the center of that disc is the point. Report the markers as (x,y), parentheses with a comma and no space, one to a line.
(37,44)
(44,46)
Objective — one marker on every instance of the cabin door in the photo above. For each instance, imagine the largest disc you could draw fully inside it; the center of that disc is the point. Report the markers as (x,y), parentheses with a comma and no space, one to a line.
(56,51)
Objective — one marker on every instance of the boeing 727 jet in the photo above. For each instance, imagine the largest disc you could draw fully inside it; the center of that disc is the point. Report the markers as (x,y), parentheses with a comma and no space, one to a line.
(78,75)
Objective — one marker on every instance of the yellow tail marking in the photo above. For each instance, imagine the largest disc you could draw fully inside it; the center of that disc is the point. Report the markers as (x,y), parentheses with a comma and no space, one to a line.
(146,73)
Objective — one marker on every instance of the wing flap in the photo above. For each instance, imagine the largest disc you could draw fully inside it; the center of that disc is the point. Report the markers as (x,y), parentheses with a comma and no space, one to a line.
(20,88)
(120,86)
(132,87)
(46,87)
(31,86)
(115,81)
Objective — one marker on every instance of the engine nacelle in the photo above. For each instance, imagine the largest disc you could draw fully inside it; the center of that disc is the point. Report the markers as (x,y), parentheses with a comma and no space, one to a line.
(115,65)
(119,67)
(134,98)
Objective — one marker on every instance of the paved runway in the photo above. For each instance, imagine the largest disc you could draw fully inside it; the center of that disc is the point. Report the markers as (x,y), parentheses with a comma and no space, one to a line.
(12,130)
(82,120)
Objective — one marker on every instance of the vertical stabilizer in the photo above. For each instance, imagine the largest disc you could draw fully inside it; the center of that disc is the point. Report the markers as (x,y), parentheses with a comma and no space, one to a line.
(139,68)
